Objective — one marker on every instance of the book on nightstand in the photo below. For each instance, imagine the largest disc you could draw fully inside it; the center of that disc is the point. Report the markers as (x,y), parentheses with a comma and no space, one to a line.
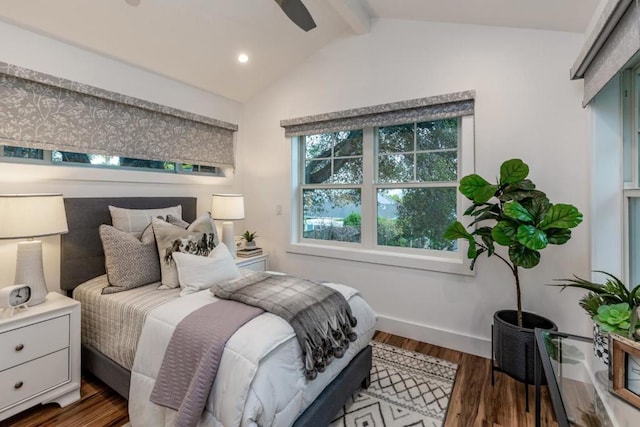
(248,253)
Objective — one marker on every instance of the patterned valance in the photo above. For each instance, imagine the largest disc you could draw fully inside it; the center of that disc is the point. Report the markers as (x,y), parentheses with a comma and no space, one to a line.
(614,40)
(414,110)
(41,111)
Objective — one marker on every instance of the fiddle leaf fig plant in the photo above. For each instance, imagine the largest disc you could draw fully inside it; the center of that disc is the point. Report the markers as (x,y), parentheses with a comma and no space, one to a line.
(514,214)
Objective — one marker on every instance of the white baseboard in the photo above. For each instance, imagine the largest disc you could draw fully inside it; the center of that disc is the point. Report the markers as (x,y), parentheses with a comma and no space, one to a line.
(440,337)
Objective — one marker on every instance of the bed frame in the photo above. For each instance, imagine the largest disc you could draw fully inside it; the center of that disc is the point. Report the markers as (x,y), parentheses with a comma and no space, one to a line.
(82,258)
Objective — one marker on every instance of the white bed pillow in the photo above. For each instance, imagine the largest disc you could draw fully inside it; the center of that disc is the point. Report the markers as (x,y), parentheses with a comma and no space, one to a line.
(136,220)
(196,273)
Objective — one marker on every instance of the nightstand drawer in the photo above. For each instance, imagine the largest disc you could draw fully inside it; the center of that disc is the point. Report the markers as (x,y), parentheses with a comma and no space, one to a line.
(30,379)
(256,265)
(30,342)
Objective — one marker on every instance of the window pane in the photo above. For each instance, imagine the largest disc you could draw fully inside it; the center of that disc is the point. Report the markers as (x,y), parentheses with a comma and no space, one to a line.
(347,171)
(395,139)
(437,166)
(395,168)
(318,145)
(634,241)
(111,161)
(207,169)
(317,172)
(348,143)
(332,214)
(23,153)
(437,134)
(416,217)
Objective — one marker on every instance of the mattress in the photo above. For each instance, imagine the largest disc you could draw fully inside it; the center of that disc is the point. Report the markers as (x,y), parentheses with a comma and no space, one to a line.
(112,323)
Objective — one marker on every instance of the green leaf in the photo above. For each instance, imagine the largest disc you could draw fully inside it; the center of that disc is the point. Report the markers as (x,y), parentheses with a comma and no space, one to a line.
(558,236)
(538,206)
(504,233)
(472,250)
(476,188)
(457,231)
(561,216)
(523,256)
(531,237)
(512,171)
(515,210)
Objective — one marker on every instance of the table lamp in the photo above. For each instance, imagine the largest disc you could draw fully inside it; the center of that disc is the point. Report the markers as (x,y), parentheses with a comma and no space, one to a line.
(29,216)
(227,208)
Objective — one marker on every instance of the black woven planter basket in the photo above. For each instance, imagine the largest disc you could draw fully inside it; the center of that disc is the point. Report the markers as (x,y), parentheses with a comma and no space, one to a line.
(514,346)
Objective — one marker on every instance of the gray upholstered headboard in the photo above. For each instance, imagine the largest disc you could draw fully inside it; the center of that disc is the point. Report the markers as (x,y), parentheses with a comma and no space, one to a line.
(82,257)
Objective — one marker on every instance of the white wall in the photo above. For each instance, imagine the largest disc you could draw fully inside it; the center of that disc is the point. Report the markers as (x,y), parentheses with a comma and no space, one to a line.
(525,107)
(30,50)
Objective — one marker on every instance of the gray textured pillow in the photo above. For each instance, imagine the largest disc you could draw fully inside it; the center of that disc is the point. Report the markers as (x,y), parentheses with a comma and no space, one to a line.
(198,239)
(129,262)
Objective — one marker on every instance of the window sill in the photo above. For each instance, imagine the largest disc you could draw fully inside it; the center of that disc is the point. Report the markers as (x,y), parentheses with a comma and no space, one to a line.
(419,262)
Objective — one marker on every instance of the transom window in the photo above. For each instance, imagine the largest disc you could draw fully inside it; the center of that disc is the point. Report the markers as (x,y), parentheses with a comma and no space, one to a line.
(10,153)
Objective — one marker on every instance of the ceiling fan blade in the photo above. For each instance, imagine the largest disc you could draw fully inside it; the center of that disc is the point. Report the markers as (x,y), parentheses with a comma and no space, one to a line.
(298,13)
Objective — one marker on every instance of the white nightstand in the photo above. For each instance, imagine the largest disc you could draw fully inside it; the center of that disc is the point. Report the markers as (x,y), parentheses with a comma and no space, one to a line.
(40,355)
(256,263)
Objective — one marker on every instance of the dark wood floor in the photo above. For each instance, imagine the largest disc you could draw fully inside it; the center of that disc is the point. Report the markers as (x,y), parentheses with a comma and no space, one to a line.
(474,401)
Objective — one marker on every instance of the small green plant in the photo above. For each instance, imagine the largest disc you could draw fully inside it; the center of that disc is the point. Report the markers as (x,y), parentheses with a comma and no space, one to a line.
(614,318)
(612,291)
(249,236)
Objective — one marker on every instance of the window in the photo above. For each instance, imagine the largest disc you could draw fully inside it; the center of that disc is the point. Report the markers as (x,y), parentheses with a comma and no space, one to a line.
(9,153)
(387,190)
(631,144)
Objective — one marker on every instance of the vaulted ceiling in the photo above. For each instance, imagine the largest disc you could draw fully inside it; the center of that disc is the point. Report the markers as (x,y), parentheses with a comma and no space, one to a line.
(198,41)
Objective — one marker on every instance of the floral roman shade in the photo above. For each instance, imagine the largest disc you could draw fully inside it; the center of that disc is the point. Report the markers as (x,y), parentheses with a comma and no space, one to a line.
(41,111)
(414,110)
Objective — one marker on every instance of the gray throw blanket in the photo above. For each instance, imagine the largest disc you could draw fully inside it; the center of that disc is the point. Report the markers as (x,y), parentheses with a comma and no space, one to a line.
(193,355)
(320,316)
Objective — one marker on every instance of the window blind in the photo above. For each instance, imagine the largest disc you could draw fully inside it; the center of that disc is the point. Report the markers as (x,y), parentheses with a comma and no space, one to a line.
(38,110)
(614,40)
(414,110)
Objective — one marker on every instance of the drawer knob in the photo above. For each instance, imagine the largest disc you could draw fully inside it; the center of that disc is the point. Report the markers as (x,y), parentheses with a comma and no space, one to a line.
(19,347)
(18,385)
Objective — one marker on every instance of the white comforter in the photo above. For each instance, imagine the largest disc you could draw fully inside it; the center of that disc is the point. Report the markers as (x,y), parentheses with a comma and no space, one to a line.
(260,380)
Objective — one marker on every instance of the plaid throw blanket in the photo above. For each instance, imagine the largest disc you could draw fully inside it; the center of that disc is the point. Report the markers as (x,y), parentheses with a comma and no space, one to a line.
(320,316)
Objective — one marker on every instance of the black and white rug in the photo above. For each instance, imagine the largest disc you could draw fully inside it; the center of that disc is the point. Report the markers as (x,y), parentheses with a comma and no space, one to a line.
(407,389)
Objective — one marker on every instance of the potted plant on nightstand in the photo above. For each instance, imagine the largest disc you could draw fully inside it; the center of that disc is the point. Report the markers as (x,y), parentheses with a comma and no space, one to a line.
(249,239)
(612,307)
(514,214)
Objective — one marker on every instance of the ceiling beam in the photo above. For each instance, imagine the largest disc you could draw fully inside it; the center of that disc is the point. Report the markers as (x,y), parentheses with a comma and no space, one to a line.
(354,14)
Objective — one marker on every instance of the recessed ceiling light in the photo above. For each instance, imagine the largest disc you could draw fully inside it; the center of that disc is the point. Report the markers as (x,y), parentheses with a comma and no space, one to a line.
(133,2)
(243,57)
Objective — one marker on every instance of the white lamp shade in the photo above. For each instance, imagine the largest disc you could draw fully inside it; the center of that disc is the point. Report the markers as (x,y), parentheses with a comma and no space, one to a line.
(31,215)
(227,207)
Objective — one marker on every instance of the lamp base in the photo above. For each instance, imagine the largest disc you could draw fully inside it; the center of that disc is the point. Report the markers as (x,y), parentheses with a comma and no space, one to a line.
(228,237)
(29,270)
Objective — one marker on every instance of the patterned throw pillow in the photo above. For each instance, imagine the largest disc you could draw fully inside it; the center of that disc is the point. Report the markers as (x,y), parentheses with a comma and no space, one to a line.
(198,239)
(196,273)
(129,262)
(135,220)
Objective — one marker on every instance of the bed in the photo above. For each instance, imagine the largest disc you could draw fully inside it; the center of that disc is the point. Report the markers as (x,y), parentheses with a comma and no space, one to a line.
(82,260)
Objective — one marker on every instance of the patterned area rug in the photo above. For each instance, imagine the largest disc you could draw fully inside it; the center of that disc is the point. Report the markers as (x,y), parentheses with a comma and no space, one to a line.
(407,389)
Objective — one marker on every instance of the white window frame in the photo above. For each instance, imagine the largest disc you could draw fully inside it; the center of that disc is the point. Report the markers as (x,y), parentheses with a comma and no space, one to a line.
(367,250)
